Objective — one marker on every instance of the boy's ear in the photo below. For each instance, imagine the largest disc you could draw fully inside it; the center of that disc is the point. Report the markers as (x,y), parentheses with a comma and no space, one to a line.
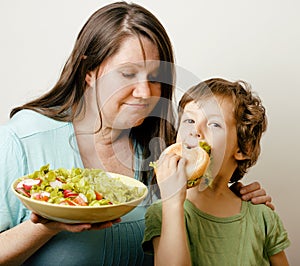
(239,156)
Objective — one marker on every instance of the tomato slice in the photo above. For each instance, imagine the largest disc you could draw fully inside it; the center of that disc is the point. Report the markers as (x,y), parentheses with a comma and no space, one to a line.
(28,183)
(79,200)
(98,195)
(23,192)
(69,193)
(68,202)
(43,196)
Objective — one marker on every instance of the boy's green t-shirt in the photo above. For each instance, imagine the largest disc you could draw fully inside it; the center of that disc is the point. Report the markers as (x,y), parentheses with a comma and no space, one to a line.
(248,238)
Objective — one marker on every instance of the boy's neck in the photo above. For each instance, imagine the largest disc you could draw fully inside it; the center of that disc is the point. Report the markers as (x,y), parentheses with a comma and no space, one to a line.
(216,201)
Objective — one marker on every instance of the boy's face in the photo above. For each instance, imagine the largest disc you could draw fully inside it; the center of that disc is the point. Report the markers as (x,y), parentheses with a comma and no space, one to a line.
(212,120)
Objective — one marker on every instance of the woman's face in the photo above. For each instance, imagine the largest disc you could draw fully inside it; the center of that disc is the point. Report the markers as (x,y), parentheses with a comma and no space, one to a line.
(212,120)
(127,86)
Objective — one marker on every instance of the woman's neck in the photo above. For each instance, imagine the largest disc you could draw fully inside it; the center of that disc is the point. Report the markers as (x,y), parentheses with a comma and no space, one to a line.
(116,154)
(105,148)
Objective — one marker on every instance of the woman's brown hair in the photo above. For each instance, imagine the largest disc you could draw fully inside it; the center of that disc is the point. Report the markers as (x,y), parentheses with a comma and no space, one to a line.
(99,39)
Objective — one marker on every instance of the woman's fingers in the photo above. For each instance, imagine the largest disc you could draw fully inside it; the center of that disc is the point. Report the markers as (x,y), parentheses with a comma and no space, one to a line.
(103,225)
(236,187)
(270,205)
(75,228)
(254,186)
(253,192)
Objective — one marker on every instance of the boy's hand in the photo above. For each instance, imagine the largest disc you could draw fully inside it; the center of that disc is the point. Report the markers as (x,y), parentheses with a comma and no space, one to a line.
(171,177)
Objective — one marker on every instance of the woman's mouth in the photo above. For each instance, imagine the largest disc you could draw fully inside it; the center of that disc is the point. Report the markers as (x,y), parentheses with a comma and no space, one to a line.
(137,105)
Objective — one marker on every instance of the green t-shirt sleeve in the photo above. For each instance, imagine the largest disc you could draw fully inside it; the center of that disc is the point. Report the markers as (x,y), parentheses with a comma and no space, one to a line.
(277,237)
(152,226)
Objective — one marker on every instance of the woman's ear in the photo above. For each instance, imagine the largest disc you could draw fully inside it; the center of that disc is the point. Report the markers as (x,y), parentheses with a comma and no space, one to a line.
(239,156)
(90,78)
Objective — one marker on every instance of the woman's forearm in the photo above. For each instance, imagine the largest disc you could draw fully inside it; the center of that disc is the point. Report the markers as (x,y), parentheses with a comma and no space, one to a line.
(20,242)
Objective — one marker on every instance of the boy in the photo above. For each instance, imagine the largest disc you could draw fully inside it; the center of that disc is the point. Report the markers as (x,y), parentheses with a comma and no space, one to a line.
(214,226)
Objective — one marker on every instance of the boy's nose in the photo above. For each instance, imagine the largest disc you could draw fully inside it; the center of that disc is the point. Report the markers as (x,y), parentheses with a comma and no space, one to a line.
(195,134)
(192,141)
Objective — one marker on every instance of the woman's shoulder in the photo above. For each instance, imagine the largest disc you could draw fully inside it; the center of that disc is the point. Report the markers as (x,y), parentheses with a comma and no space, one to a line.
(28,122)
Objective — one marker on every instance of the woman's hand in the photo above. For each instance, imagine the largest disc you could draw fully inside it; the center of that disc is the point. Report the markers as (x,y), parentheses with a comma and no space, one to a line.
(253,192)
(57,226)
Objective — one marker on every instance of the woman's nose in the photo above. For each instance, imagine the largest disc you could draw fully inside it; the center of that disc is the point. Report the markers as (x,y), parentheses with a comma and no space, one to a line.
(142,90)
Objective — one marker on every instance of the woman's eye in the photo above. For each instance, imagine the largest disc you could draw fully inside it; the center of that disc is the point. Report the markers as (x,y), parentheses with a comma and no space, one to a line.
(153,78)
(128,75)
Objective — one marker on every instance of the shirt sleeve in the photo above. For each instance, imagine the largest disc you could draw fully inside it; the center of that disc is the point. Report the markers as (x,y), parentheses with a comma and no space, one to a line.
(277,236)
(153,219)
(12,166)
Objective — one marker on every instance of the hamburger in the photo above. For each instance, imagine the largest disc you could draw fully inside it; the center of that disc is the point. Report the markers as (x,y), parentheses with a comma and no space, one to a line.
(198,159)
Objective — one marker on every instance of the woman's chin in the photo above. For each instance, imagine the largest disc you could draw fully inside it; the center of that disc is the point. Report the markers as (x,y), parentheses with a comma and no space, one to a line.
(139,122)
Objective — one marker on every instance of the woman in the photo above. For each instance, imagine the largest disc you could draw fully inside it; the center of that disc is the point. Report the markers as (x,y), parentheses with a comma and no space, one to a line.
(111,109)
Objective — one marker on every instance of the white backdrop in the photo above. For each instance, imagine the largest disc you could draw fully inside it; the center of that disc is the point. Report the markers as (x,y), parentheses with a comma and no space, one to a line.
(257,40)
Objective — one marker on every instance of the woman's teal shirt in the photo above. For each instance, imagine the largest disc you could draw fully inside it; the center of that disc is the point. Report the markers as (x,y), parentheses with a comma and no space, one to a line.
(27,142)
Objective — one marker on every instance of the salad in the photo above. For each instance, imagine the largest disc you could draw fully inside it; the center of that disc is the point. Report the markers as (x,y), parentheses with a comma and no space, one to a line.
(76,187)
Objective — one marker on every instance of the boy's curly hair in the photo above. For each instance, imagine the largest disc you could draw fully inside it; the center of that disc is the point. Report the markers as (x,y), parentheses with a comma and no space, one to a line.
(250,115)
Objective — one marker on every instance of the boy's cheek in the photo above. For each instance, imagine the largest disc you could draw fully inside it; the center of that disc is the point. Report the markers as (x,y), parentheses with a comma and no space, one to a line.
(181,135)
(178,138)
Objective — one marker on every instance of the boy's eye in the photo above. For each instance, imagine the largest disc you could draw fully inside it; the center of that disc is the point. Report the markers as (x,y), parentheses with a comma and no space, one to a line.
(214,125)
(189,121)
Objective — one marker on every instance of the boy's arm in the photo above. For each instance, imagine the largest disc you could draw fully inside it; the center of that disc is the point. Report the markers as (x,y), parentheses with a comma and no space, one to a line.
(279,259)
(172,246)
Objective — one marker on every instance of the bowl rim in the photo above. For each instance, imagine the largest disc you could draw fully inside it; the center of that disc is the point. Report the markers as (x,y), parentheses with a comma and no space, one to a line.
(113,175)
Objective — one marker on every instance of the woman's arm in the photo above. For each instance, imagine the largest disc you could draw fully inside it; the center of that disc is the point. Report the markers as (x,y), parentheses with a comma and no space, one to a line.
(253,192)
(20,242)
(279,259)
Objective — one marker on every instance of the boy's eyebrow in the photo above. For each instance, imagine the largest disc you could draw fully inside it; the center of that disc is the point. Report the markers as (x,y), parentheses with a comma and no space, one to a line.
(194,112)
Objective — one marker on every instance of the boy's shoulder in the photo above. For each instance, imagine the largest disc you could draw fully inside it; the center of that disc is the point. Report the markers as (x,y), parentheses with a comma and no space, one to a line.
(258,208)
(155,206)
(261,213)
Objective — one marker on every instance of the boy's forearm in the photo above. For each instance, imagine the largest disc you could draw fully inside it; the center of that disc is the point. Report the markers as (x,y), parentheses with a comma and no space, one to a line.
(279,259)
(172,245)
